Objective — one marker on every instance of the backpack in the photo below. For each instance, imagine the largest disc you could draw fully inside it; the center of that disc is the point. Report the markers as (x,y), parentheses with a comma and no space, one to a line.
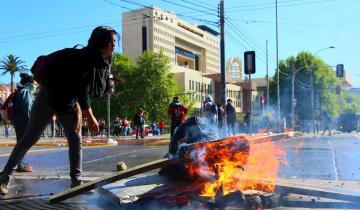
(41,66)
(7,109)
(177,114)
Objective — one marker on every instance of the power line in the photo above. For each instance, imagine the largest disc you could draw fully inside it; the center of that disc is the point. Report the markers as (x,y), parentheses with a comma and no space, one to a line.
(287,5)
(55,31)
(178,14)
(246,40)
(263,4)
(184,6)
(252,40)
(300,24)
(67,31)
(202,6)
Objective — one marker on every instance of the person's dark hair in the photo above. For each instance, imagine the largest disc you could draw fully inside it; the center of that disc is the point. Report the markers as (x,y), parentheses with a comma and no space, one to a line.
(25,78)
(101,36)
(175,98)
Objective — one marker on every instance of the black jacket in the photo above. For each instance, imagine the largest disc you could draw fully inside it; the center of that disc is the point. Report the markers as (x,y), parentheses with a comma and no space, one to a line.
(74,75)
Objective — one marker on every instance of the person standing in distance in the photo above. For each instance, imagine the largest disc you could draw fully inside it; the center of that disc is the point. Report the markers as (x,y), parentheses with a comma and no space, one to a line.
(85,72)
(23,100)
(177,113)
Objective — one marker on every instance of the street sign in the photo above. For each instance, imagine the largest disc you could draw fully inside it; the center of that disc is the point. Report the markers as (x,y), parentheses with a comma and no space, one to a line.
(249,58)
(340,70)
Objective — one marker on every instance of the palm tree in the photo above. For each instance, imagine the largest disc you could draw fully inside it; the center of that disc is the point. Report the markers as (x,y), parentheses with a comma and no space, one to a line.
(11,64)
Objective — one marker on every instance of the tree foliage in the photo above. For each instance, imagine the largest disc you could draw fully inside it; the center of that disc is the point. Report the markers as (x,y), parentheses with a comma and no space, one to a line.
(324,81)
(11,65)
(148,84)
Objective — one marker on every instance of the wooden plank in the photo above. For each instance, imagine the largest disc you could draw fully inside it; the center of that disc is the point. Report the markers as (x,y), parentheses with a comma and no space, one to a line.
(110,179)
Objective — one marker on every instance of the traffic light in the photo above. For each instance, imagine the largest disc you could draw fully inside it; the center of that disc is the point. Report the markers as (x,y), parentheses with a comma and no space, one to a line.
(340,70)
(338,88)
(249,58)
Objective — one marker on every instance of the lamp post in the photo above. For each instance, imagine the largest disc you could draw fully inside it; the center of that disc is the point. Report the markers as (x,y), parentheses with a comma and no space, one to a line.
(294,72)
(312,87)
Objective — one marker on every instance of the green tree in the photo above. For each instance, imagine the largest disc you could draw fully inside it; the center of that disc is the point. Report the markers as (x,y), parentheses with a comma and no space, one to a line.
(122,68)
(152,85)
(12,64)
(147,84)
(324,83)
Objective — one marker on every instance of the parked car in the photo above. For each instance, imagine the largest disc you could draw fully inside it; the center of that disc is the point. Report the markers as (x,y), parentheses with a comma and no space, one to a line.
(348,122)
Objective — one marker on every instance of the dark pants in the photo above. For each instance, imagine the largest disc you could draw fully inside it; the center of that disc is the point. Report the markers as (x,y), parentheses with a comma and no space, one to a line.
(139,129)
(41,114)
(173,126)
(230,127)
(20,130)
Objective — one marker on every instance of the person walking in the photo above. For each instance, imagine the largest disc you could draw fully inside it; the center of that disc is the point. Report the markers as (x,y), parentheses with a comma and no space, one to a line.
(210,113)
(23,101)
(126,126)
(247,122)
(177,113)
(326,120)
(161,126)
(86,72)
(117,126)
(7,129)
(139,123)
(230,116)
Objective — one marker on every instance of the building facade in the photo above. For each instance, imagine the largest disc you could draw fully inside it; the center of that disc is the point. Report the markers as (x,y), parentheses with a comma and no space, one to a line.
(193,50)
(194,54)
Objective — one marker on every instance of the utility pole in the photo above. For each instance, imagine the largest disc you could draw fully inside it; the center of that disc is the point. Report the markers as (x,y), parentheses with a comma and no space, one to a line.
(312,101)
(267,89)
(277,68)
(293,97)
(250,106)
(222,53)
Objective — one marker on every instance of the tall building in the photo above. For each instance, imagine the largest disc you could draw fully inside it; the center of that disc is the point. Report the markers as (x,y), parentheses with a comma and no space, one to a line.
(193,50)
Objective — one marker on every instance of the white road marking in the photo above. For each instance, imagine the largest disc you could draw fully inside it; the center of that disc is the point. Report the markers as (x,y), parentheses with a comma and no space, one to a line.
(47,150)
(336,171)
(109,156)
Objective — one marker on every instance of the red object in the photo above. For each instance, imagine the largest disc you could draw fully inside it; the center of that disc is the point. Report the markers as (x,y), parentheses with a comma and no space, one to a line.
(7,109)
(146,131)
(181,109)
(161,124)
(263,99)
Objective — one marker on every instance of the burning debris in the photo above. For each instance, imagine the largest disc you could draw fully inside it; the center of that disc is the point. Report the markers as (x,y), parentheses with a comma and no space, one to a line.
(230,164)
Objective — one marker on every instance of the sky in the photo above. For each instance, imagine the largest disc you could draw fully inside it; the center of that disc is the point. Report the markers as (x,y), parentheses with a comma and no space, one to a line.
(32,28)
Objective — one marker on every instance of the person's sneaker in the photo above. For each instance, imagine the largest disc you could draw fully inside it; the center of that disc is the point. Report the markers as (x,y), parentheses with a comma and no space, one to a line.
(4,184)
(24,168)
(4,188)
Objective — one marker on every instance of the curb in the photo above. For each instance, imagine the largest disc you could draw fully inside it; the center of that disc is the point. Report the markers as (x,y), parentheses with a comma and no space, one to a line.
(61,144)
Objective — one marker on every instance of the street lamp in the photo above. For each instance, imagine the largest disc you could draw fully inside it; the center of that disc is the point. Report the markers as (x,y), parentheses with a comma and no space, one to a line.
(325,48)
(294,72)
(312,87)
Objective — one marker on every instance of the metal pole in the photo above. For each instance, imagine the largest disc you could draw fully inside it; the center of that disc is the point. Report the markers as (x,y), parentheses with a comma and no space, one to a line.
(340,102)
(108,110)
(312,101)
(267,89)
(222,53)
(293,97)
(250,99)
(277,67)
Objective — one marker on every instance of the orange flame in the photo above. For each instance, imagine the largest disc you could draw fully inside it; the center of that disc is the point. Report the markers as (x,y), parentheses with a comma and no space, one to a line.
(234,163)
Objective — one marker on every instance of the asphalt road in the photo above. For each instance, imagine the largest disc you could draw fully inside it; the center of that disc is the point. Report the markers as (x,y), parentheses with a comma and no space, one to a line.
(97,161)
(325,158)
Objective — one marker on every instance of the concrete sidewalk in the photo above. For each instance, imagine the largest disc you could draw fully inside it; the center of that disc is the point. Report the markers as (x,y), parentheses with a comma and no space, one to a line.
(90,141)
(131,140)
